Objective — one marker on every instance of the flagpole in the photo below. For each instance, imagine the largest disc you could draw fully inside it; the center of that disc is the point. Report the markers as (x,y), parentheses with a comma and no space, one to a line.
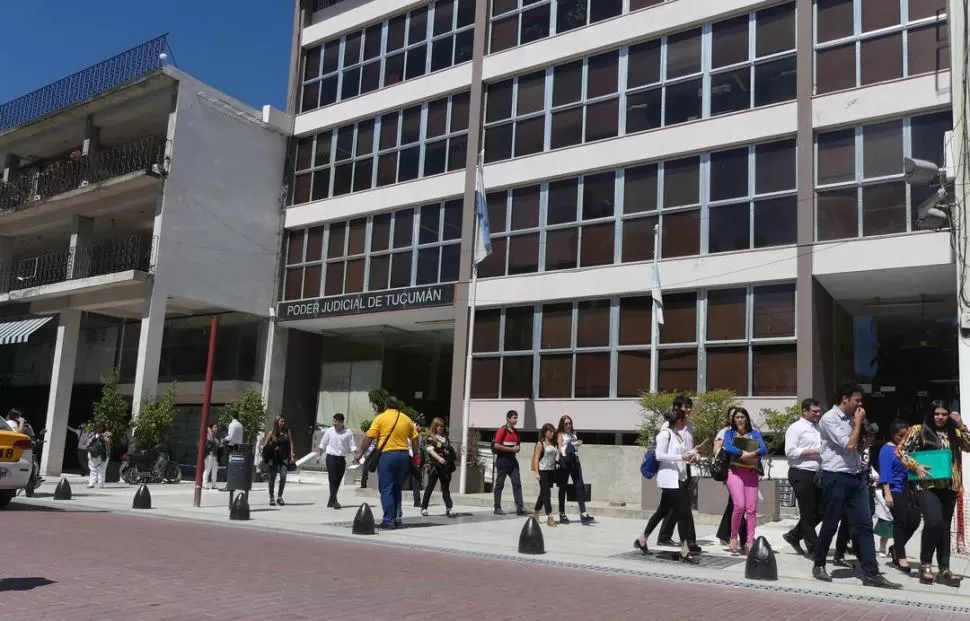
(467,395)
(654,324)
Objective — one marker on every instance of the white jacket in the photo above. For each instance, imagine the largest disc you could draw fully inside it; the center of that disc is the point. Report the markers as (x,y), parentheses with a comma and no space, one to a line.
(671,446)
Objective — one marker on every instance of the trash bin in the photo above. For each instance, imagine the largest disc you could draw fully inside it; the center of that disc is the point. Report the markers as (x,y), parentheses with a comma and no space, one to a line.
(239,470)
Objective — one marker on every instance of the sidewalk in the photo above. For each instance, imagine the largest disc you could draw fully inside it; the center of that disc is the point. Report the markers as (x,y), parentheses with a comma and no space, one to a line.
(606,546)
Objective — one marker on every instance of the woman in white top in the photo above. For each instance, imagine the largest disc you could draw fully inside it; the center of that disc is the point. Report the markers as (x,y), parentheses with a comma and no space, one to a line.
(674,451)
(568,444)
(544,465)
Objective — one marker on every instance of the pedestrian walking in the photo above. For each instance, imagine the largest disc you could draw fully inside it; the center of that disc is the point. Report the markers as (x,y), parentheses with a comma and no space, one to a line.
(724,527)
(98,447)
(544,461)
(506,446)
(442,463)
(568,444)
(803,445)
(82,432)
(899,495)
(746,448)
(210,475)
(277,456)
(337,442)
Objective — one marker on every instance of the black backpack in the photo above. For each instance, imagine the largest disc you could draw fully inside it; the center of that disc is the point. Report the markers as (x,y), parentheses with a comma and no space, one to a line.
(97,449)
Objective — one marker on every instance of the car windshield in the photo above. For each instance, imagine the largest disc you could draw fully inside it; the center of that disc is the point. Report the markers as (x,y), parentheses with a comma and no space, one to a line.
(5,426)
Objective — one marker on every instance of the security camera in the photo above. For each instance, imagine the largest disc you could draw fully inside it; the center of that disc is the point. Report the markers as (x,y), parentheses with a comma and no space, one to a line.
(920,172)
(933,213)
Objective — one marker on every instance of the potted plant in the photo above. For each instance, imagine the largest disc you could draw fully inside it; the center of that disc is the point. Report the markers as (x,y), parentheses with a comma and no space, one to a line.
(252,413)
(114,411)
(153,426)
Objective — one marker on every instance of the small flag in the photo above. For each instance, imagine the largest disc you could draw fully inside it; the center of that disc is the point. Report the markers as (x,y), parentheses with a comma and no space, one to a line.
(655,293)
(483,241)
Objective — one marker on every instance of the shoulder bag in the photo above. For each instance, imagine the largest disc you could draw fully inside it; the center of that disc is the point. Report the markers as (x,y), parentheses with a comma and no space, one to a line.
(375,455)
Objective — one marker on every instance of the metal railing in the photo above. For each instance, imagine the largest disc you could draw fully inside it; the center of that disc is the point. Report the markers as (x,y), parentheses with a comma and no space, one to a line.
(32,186)
(134,252)
(116,71)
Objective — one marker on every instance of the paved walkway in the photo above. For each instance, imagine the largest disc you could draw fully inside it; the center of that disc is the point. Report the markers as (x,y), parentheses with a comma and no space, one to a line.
(476,540)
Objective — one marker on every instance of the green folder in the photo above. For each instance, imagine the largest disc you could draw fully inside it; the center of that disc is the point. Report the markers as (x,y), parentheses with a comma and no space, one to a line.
(938,462)
(744,444)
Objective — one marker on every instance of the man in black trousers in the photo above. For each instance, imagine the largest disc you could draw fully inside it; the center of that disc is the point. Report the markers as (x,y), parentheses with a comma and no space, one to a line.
(803,446)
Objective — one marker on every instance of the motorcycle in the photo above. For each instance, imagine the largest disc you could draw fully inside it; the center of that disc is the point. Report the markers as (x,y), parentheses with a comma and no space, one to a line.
(154,466)
(36,444)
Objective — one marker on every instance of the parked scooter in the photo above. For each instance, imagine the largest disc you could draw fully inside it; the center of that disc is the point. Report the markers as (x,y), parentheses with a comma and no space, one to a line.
(153,466)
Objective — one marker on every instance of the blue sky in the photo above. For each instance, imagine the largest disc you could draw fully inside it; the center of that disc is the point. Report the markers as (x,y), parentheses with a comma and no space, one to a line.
(240,47)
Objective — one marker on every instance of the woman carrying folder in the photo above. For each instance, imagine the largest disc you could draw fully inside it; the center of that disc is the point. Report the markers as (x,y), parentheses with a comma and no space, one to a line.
(746,447)
(942,430)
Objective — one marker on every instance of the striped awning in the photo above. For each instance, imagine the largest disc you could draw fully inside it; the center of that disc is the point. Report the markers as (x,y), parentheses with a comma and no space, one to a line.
(13,332)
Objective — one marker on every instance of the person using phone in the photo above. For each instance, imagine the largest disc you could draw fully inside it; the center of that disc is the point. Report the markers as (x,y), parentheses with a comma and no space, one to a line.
(937,495)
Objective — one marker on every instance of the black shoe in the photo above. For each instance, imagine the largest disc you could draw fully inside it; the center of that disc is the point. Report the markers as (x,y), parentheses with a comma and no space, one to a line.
(330,504)
(694,548)
(387,526)
(819,573)
(563,519)
(667,542)
(587,520)
(272,502)
(839,560)
(337,505)
(793,541)
(641,546)
(498,512)
(398,523)
(879,581)
(946,578)
(521,512)
(689,559)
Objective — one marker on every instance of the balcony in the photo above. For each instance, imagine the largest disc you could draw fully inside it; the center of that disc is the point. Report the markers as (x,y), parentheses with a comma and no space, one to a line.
(35,185)
(85,261)
(86,84)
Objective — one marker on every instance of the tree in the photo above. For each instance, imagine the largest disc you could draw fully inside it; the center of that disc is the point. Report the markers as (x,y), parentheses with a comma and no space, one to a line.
(708,415)
(251,412)
(114,412)
(365,425)
(378,396)
(155,421)
(777,423)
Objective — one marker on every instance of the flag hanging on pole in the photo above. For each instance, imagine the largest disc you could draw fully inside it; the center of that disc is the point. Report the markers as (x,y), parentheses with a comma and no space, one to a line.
(655,293)
(483,238)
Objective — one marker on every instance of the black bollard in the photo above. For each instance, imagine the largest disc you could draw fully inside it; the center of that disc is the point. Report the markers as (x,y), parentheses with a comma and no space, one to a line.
(143,498)
(530,539)
(364,521)
(761,564)
(240,507)
(63,490)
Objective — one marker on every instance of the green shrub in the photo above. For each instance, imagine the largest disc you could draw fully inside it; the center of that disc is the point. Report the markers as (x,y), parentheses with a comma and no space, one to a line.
(252,414)
(113,410)
(365,424)
(155,421)
(776,424)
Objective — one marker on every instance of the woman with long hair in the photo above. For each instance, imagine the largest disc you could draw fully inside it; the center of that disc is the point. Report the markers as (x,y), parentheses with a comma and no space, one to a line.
(441,465)
(724,528)
(742,478)
(899,496)
(568,444)
(941,430)
(277,455)
(544,465)
(674,451)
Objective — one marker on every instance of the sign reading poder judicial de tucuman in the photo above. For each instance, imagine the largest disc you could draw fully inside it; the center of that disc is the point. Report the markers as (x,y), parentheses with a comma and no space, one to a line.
(371,302)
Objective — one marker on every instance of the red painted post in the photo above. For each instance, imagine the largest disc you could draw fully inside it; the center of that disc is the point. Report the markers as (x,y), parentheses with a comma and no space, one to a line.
(206,403)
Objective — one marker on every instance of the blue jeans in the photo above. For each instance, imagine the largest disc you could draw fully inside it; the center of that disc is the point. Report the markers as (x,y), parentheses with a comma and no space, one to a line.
(847,494)
(392,469)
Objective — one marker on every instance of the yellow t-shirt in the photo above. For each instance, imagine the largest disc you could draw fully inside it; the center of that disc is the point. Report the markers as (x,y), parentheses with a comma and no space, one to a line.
(383,425)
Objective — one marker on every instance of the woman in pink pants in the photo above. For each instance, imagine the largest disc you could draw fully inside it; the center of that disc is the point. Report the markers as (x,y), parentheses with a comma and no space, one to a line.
(746,447)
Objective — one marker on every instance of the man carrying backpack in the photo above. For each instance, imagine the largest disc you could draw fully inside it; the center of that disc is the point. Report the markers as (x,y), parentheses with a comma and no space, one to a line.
(98,447)
(506,447)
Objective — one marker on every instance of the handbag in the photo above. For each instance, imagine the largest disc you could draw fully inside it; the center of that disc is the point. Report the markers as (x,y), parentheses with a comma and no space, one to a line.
(720,466)
(375,456)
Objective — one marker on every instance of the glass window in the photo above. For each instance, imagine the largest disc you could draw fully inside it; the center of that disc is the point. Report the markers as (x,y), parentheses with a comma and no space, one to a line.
(683,54)
(680,318)
(774,311)
(727,314)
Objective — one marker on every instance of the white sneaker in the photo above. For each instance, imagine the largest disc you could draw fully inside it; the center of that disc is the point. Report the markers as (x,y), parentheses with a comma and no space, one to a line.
(90,485)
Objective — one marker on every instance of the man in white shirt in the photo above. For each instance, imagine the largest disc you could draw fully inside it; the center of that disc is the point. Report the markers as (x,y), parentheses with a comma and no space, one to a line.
(234,434)
(337,442)
(802,448)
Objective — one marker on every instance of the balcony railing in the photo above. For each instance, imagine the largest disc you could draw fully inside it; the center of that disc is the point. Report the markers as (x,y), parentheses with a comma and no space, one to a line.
(85,84)
(33,186)
(95,259)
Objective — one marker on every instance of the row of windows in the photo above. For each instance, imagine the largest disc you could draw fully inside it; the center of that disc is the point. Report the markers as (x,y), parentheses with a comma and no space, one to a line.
(427,39)
(601,348)
(517,22)
(733,200)
(859,175)
(861,42)
(658,83)
(419,141)
(417,246)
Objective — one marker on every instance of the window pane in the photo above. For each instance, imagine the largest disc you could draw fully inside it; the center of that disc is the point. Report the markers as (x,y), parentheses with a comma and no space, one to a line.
(592,375)
(596,247)
(437,124)
(486,330)
(485,375)
(494,264)
(517,377)
(442,51)
(403,228)
(598,195)
(683,54)
(729,174)
(638,239)
(453,219)
(435,157)
(530,136)
(570,14)
(450,259)
(389,124)
(555,376)
(680,318)
(497,211)
(918,9)
(730,228)
(334,283)
(729,40)
(927,135)
(459,112)
(562,201)
(418,25)
(401,269)
(336,246)
(681,181)
(380,268)
(726,314)
(775,82)
(524,254)
(427,272)
(835,19)
(775,30)
(681,234)
(602,74)
(532,93)
(643,110)
(884,209)
(836,157)
(444,15)
(593,324)
(683,102)
(567,83)
(882,149)
(294,248)
(635,320)
(535,24)
(525,208)
(774,370)
(774,167)
(352,49)
(632,373)
(312,276)
(314,246)
(518,328)
(640,189)
(731,91)
(429,228)
(567,128)
(677,370)
(293,288)
(835,69)
(561,249)
(557,326)
(498,104)
(928,49)
(775,221)
(878,14)
(505,34)
(355,239)
(727,369)
(774,311)
(882,59)
(604,9)
(355,276)
(644,64)
(838,214)
(498,142)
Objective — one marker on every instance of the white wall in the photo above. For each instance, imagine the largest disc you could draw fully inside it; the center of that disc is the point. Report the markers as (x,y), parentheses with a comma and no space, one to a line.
(219,239)
(890,99)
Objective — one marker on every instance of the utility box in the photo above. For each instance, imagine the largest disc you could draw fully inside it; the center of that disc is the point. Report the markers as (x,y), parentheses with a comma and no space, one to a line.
(239,470)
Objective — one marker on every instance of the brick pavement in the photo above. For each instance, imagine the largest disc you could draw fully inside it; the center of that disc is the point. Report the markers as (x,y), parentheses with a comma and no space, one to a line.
(103,566)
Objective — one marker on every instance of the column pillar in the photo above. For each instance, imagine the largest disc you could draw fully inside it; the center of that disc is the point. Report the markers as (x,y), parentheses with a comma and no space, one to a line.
(804,282)
(274,368)
(59,399)
(82,231)
(149,350)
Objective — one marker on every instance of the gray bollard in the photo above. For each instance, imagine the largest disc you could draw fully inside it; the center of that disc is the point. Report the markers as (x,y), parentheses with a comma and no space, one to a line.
(63,490)
(240,507)
(143,498)
(761,564)
(530,539)
(364,521)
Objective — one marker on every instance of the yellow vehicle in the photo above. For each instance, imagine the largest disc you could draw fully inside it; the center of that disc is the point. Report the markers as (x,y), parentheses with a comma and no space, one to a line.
(16,462)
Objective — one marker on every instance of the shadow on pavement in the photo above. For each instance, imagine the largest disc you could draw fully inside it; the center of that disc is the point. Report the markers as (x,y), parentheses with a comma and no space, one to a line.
(23,584)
